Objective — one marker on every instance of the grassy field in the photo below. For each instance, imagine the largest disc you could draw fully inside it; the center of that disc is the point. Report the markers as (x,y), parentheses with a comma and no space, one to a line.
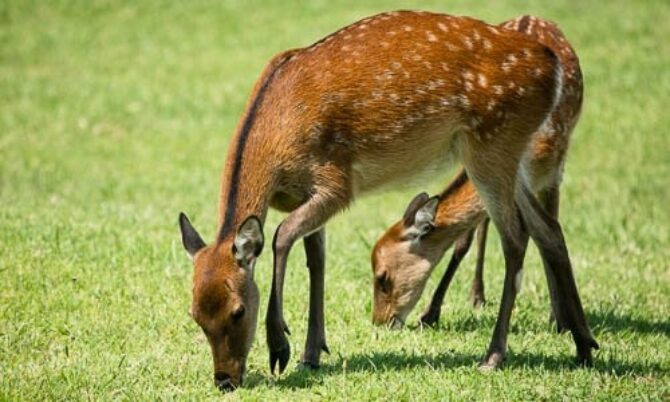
(115,116)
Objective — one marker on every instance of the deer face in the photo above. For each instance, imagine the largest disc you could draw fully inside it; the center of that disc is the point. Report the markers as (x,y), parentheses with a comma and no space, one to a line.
(225,297)
(401,264)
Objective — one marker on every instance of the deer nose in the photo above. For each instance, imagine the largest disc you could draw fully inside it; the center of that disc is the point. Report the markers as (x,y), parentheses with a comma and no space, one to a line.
(223,382)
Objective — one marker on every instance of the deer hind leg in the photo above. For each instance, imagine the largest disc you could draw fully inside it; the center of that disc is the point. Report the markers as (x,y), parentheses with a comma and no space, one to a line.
(431,316)
(307,218)
(492,166)
(549,198)
(477,289)
(548,235)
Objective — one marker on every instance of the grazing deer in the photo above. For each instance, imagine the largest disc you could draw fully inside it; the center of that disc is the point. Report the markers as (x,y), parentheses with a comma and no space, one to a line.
(370,105)
(408,251)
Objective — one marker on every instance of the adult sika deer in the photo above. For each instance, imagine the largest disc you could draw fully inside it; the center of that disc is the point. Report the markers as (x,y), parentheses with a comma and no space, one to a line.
(406,254)
(369,105)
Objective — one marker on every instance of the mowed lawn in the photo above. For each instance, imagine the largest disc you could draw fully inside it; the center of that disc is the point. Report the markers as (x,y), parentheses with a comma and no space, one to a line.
(115,116)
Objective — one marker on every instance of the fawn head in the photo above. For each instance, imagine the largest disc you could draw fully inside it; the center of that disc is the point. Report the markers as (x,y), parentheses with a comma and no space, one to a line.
(225,296)
(401,264)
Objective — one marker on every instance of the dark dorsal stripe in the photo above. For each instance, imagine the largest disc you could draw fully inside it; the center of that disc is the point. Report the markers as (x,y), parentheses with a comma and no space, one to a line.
(233,191)
(523,24)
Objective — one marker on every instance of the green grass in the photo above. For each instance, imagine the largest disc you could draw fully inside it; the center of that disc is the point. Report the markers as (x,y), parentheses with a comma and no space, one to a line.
(115,116)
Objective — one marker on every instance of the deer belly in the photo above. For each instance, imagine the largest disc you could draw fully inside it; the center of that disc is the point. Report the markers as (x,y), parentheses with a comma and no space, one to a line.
(417,157)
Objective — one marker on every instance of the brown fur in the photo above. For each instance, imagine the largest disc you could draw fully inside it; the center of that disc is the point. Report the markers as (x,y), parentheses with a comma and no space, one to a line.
(369,105)
(459,212)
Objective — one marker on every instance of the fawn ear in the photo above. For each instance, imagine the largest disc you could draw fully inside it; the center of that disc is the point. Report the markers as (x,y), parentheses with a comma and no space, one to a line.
(419,218)
(189,236)
(248,242)
(413,207)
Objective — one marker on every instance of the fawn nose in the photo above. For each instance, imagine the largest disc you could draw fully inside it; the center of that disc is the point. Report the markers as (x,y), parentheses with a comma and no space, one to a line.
(223,382)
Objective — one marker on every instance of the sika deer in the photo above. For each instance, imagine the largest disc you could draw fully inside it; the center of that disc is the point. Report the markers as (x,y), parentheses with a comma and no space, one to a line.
(373,104)
(402,261)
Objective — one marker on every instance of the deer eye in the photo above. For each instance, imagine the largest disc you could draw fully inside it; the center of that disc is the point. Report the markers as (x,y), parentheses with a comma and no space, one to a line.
(382,281)
(238,313)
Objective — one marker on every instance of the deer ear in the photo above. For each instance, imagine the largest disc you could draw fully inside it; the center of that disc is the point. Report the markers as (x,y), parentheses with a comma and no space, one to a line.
(189,236)
(248,242)
(414,205)
(422,219)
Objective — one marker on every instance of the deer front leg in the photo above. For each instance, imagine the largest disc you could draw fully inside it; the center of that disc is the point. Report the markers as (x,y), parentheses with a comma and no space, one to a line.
(432,314)
(316,334)
(477,290)
(305,219)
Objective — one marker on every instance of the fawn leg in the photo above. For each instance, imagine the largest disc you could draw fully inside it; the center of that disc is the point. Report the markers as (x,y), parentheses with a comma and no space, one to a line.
(477,290)
(431,316)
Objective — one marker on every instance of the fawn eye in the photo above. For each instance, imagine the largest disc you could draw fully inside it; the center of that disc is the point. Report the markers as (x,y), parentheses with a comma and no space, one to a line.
(238,313)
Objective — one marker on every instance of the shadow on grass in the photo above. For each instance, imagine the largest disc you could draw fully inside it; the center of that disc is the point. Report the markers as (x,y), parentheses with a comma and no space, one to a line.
(610,321)
(600,322)
(393,361)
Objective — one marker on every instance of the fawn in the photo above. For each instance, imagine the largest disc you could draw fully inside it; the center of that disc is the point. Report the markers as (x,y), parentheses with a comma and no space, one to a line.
(408,251)
(369,105)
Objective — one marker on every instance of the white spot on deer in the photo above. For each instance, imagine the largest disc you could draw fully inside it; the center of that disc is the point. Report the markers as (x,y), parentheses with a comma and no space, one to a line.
(538,72)
(360,35)
(355,53)
(442,27)
(498,90)
(451,46)
(487,44)
(407,28)
(468,75)
(468,86)
(416,57)
(521,91)
(490,105)
(345,48)
(394,97)
(476,36)
(377,95)
(467,42)
(396,65)
(445,67)
(385,45)
(517,280)
(526,53)
(492,30)
(391,33)
(431,36)
(362,26)
(511,85)
(445,101)
(347,36)
(428,65)
(511,58)
(406,74)
(481,80)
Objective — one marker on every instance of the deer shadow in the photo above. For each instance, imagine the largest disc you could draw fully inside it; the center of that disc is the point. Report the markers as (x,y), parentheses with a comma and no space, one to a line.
(375,362)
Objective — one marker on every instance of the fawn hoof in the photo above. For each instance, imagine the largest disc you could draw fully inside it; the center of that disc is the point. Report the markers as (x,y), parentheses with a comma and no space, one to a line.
(491,362)
(477,298)
(308,366)
(280,356)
